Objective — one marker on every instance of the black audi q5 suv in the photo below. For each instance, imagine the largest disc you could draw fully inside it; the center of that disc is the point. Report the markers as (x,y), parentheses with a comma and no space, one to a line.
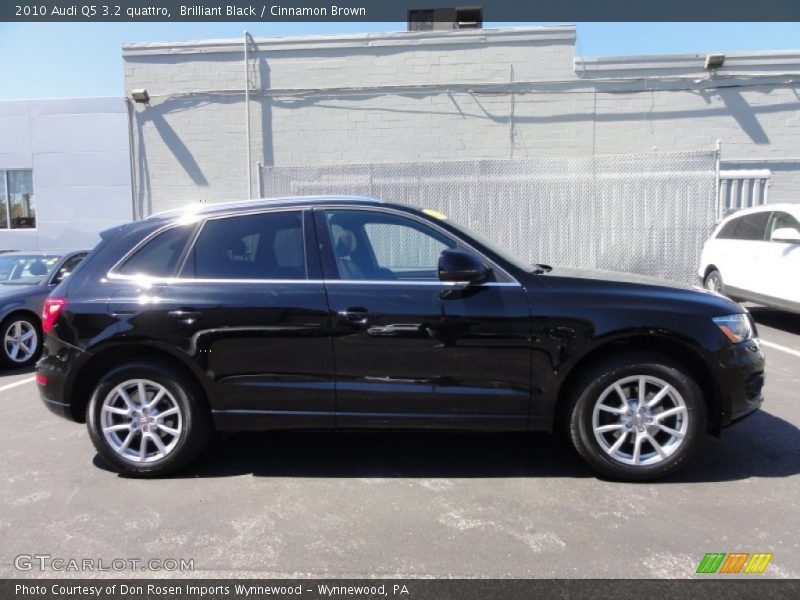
(348,313)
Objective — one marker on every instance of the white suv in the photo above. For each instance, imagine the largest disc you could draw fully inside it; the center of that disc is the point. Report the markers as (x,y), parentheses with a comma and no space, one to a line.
(754,255)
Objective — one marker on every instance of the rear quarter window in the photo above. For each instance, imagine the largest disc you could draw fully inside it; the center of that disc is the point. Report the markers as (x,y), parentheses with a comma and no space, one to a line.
(159,256)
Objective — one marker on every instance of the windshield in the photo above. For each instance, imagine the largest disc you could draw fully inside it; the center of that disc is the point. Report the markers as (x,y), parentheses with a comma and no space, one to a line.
(21,269)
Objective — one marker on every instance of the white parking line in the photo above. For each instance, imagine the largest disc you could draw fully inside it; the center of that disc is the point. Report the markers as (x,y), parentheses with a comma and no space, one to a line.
(781,348)
(17,383)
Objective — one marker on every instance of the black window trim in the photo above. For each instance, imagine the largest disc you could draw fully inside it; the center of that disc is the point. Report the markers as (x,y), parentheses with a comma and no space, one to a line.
(112,273)
(459,242)
(199,225)
(190,246)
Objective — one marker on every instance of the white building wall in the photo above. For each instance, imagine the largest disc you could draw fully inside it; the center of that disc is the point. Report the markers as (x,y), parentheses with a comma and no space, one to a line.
(78,150)
(517,92)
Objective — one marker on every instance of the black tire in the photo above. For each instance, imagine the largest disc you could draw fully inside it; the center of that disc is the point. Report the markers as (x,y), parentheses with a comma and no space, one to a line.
(31,324)
(587,392)
(713,281)
(195,417)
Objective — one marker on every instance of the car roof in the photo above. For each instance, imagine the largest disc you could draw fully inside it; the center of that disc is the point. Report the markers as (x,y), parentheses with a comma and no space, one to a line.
(227,207)
(793,209)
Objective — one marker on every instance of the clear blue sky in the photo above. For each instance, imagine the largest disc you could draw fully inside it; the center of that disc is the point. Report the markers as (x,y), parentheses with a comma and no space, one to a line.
(49,60)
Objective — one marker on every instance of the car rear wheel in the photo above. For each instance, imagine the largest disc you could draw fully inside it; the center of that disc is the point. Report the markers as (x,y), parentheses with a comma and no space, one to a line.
(22,341)
(146,420)
(636,417)
(713,282)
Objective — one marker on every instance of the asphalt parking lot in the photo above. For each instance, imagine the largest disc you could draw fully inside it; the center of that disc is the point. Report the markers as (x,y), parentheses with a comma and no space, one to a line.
(403,505)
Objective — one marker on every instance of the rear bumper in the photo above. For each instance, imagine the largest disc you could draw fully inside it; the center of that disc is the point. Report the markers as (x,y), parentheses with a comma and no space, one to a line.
(55,371)
(740,373)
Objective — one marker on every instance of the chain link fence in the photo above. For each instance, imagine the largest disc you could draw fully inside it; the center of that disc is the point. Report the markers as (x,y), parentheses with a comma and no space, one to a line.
(643,213)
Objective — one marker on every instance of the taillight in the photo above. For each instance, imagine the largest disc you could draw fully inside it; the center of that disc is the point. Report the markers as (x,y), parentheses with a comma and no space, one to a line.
(52,308)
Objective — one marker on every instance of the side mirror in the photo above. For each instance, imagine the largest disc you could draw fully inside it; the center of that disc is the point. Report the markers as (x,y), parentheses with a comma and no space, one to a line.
(458,265)
(787,235)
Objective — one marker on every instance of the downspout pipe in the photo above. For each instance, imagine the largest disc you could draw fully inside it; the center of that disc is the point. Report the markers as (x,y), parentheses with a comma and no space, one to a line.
(247,114)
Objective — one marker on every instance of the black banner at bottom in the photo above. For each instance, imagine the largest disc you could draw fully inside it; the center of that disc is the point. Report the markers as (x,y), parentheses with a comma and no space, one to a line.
(396,589)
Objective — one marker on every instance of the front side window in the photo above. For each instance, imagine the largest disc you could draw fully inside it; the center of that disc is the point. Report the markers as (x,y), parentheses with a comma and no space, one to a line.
(66,269)
(376,246)
(159,256)
(782,220)
(260,246)
(17,205)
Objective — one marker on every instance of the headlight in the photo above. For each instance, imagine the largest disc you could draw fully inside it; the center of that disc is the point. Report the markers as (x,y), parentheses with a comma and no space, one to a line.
(737,328)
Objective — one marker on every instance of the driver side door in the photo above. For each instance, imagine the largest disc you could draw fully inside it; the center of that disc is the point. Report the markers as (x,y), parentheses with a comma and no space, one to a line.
(410,350)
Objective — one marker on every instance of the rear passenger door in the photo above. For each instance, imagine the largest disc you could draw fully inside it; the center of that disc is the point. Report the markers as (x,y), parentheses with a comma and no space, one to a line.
(248,306)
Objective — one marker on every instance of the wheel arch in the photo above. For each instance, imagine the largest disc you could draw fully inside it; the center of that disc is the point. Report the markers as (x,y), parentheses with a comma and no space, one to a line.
(711,267)
(23,310)
(669,346)
(104,360)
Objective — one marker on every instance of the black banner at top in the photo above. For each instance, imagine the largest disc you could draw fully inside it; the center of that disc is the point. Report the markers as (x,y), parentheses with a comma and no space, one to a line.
(396,10)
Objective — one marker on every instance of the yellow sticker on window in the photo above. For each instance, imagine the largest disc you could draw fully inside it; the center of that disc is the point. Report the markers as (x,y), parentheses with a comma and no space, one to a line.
(435,214)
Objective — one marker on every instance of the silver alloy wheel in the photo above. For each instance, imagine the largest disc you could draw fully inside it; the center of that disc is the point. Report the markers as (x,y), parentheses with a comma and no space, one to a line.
(640,420)
(21,341)
(141,420)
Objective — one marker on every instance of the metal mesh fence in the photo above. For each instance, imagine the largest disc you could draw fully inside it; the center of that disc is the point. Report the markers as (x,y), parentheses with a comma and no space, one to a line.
(643,213)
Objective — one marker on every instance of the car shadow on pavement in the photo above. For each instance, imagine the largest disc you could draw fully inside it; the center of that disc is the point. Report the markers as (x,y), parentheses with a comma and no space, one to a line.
(29,370)
(776,319)
(386,454)
(760,446)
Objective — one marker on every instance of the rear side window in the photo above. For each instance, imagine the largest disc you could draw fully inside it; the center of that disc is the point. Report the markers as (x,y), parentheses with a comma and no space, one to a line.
(749,227)
(728,230)
(752,227)
(159,257)
(262,246)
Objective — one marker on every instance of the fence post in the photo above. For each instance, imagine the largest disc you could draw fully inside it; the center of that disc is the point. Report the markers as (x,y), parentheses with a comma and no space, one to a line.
(260,176)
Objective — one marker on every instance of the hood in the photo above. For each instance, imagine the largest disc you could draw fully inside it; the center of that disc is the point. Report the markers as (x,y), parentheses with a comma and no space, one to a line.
(620,277)
(628,290)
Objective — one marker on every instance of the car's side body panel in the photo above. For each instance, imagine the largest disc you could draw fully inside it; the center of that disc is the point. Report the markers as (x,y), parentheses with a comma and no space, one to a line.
(272,354)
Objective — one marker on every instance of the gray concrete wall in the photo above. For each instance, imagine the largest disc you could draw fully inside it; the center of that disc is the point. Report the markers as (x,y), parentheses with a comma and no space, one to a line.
(517,92)
(78,150)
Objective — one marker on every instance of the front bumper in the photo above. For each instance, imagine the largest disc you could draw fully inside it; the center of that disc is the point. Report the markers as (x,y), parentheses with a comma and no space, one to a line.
(740,376)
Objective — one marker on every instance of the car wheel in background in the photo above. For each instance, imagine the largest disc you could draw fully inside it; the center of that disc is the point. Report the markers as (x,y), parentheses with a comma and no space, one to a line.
(636,416)
(713,282)
(21,338)
(146,420)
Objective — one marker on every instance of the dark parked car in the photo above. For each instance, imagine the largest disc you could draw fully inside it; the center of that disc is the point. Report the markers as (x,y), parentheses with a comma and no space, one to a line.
(351,313)
(25,280)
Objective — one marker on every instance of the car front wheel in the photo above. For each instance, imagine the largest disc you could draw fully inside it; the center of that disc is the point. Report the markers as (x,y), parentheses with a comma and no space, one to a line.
(637,417)
(22,341)
(146,420)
